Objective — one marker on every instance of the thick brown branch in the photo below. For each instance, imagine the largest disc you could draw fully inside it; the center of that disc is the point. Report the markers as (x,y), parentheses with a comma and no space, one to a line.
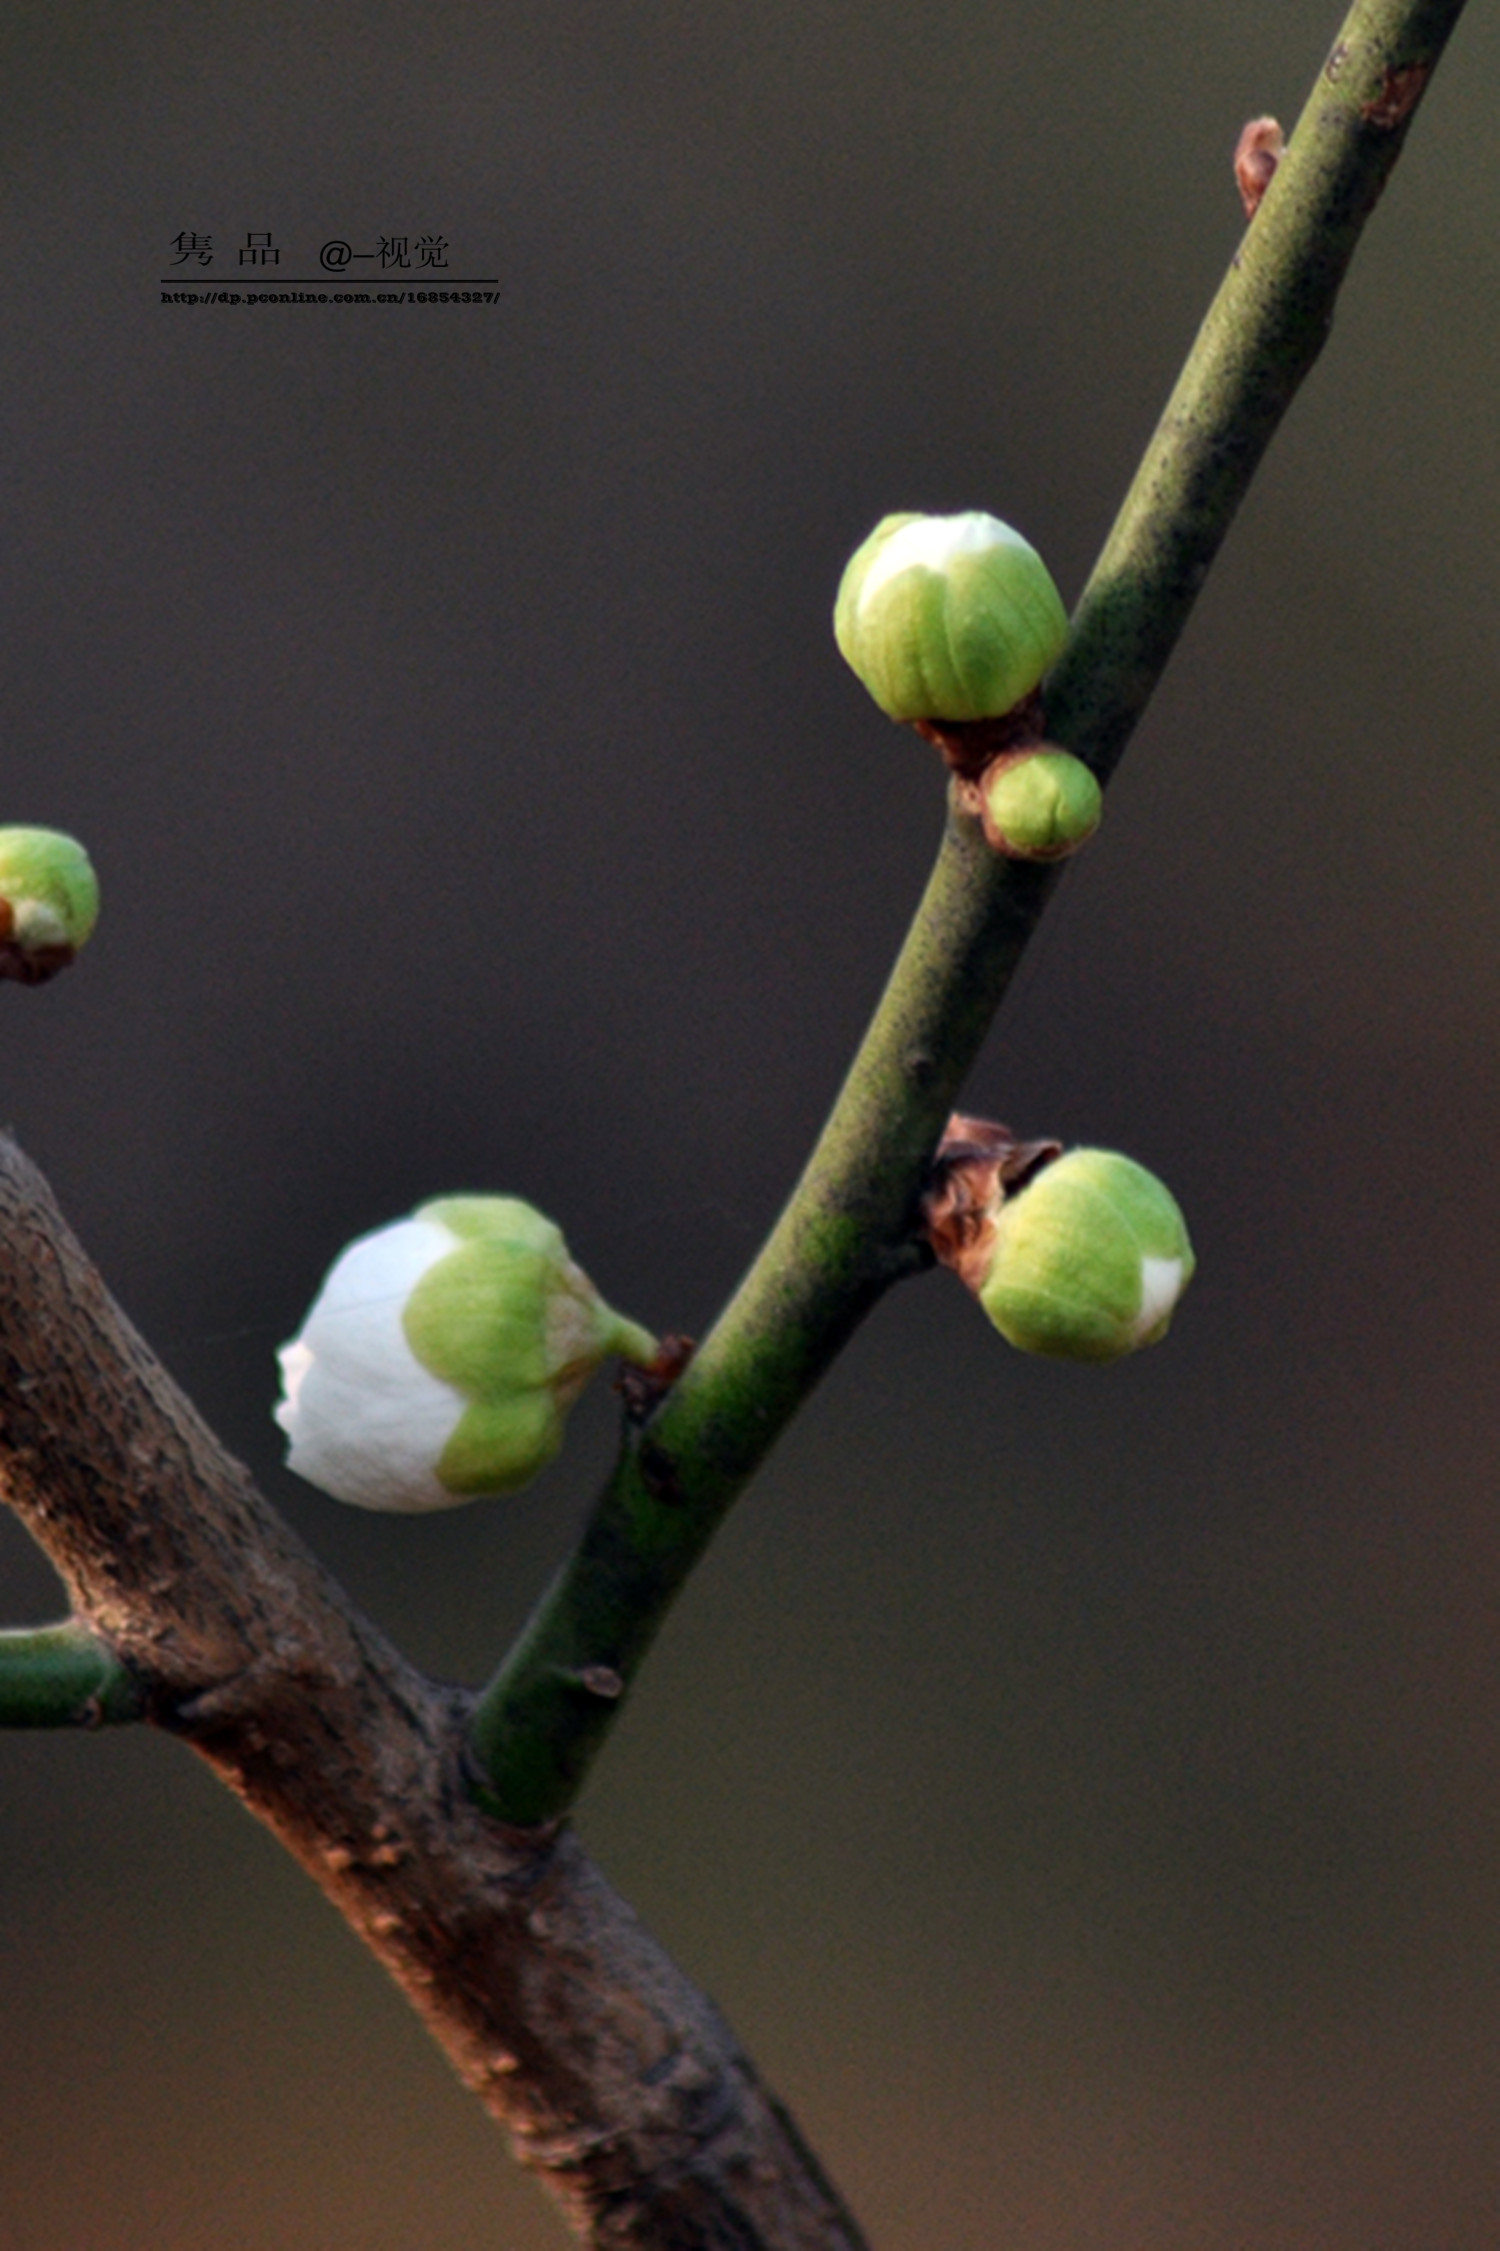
(621,2084)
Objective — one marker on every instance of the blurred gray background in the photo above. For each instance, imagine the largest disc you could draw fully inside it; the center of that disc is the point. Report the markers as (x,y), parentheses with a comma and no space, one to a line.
(1081,1788)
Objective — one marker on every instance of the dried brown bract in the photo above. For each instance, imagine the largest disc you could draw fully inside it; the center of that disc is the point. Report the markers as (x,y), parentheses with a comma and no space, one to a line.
(643,1388)
(1257,153)
(977,1162)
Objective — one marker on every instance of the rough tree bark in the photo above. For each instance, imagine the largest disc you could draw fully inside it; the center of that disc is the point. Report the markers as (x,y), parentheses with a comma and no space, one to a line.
(622,2085)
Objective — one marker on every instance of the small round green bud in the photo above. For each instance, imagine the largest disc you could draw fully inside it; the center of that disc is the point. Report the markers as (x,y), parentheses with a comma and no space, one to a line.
(441,1355)
(1089,1259)
(1039,804)
(948,617)
(49,902)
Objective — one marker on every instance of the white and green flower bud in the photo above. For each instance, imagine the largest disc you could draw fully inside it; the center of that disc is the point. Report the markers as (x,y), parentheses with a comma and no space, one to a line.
(441,1355)
(1089,1259)
(49,902)
(948,617)
(1039,804)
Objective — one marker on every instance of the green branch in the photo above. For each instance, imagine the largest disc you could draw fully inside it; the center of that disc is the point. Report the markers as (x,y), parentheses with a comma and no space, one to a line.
(62,1676)
(849,1229)
(1263,331)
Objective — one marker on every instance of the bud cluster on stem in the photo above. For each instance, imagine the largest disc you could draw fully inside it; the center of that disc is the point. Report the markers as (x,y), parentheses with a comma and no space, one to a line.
(1080,1256)
(951,622)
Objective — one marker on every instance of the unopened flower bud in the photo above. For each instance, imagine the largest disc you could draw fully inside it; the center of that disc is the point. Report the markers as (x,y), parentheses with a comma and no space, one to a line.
(441,1355)
(1088,1260)
(948,617)
(1039,804)
(49,902)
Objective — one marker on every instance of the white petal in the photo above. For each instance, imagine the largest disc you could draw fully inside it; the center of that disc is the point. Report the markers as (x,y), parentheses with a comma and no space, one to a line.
(295,1361)
(367,1422)
(36,923)
(373,1447)
(370,1282)
(1161,1287)
(933,541)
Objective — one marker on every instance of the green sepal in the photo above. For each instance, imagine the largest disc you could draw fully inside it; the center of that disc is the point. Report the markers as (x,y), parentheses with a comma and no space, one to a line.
(479,1317)
(516,1328)
(1040,804)
(48,888)
(1090,1259)
(503,1219)
(963,631)
(501,1444)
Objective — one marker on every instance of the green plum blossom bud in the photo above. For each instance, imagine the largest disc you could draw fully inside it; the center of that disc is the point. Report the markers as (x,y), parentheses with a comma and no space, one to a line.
(441,1355)
(948,617)
(1039,804)
(1087,1260)
(49,902)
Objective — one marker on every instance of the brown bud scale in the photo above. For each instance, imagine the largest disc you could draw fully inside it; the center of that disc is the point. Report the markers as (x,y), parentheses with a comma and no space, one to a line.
(970,745)
(1259,150)
(977,1162)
